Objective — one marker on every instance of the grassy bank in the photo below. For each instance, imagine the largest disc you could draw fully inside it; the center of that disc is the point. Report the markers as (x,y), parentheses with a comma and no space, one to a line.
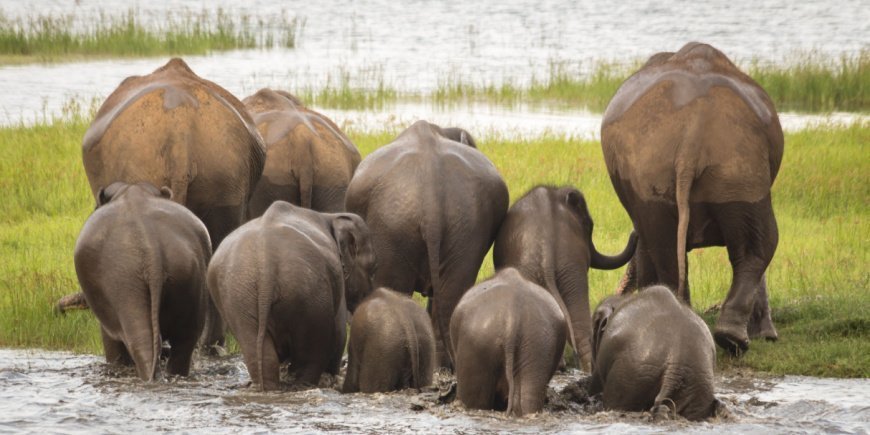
(46,38)
(818,281)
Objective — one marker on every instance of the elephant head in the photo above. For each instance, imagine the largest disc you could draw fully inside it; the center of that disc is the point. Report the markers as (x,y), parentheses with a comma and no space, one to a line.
(358,263)
(118,188)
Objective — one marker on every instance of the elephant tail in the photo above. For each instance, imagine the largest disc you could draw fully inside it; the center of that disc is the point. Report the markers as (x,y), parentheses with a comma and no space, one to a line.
(264,302)
(432,237)
(684,178)
(306,176)
(414,353)
(514,403)
(155,291)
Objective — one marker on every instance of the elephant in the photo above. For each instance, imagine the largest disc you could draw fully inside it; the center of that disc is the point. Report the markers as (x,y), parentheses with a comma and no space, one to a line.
(284,282)
(391,346)
(434,206)
(141,262)
(692,146)
(309,161)
(547,236)
(508,334)
(173,128)
(652,352)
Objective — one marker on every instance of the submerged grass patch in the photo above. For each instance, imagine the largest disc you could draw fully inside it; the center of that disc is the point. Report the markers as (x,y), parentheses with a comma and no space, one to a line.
(818,280)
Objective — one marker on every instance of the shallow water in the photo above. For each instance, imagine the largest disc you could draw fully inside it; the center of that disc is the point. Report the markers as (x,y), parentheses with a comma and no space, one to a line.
(44,391)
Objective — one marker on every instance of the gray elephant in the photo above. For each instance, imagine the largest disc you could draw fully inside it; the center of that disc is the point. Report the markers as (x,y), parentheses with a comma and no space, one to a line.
(508,335)
(693,145)
(173,128)
(284,283)
(547,236)
(391,347)
(141,262)
(434,206)
(309,160)
(652,352)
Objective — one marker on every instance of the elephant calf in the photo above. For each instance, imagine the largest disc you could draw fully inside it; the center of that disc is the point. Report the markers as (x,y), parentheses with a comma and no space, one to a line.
(508,334)
(392,345)
(283,282)
(650,351)
(141,263)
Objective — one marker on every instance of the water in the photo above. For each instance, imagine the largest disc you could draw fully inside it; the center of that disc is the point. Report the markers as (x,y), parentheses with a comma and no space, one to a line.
(415,46)
(43,391)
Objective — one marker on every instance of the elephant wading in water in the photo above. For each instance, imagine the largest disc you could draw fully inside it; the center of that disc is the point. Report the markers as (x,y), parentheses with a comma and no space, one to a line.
(172,128)
(391,346)
(434,206)
(693,146)
(547,236)
(309,161)
(652,352)
(508,335)
(284,283)
(141,262)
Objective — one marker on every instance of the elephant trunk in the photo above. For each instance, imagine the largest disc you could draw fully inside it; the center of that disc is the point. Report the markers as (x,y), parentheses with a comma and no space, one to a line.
(577,303)
(607,262)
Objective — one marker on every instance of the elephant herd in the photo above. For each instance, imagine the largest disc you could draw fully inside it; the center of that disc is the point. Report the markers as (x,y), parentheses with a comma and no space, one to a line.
(261,217)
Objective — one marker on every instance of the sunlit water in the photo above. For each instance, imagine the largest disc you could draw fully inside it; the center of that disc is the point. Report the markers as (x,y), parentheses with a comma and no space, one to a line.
(58,391)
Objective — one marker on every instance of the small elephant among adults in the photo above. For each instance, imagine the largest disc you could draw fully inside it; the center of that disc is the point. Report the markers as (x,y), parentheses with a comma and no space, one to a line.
(141,261)
(284,283)
(391,346)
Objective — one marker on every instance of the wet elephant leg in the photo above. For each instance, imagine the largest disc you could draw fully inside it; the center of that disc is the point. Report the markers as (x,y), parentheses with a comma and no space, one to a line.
(458,274)
(115,350)
(478,375)
(760,322)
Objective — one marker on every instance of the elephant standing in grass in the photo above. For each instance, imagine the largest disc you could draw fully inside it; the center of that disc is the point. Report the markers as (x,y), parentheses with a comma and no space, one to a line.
(284,283)
(391,345)
(547,236)
(652,352)
(434,206)
(141,262)
(693,146)
(172,128)
(309,160)
(508,335)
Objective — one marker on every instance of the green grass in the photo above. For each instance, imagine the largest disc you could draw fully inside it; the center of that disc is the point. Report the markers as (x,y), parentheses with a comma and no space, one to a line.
(819,280)
(61,38)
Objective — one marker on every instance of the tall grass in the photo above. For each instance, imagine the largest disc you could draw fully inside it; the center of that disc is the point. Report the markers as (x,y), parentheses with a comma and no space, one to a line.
(818,280)
(56,37)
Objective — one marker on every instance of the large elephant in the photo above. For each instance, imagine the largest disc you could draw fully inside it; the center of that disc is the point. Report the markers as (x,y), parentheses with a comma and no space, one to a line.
(693,146)
(309,161)
(508,335)
(284,283)
(434,206)
(173,128)
(652,352)
(547,236)
(391,345)
(141,262)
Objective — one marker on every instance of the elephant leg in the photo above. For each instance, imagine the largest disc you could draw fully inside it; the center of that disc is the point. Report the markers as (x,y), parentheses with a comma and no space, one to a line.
(531,387)
(760,323)
(456,279)
(751,241)
(397,264)
(381,374)
(181,320)
(245,330)
(656,251)
(115,350)
(313,345)
(351,378)
(479,374)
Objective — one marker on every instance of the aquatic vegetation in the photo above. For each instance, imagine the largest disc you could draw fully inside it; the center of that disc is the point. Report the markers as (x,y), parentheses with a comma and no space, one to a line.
(817,280)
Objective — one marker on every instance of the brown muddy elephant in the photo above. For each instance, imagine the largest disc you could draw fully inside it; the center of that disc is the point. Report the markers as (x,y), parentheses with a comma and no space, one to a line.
(652,352)
(693,146)
(284,283)
(434,206)
(309,160)
(172,128)
(391,346)
(141,262)
(547,236)
(508,335)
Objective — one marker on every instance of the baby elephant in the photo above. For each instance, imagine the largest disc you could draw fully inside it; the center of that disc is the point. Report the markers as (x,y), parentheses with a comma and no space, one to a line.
(284,281)
(141,262)
(652,352)
(508,335)
(391,346)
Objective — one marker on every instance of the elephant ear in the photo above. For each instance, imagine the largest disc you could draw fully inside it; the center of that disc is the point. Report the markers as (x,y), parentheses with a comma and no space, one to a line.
(106,194)
(344,232)
(575,201)
(166,192)
(599,326)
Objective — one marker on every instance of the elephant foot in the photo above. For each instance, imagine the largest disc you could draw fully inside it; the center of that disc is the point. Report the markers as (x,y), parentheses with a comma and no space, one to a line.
(720,410)
(663,412)
(731,334)
(761,326)
(71,302)
(214,350)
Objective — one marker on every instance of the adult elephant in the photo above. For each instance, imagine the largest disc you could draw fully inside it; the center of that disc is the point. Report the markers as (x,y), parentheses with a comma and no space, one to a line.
(693,146)
(434,206)
(309,160)
(652,352)
(547,236)
(172,128)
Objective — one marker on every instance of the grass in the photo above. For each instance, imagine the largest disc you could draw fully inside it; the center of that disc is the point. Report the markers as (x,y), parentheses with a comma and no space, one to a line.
(44,38)
(819,280)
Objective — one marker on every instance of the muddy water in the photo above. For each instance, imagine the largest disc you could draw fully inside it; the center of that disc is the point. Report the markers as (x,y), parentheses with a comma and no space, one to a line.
(56,391)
